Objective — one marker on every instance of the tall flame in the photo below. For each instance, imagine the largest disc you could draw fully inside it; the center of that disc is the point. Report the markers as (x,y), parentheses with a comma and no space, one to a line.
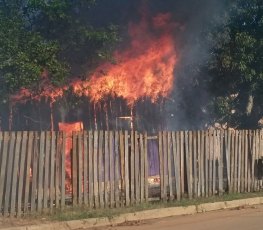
(144,69)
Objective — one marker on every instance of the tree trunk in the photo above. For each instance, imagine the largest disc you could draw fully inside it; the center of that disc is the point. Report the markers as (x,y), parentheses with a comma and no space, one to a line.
(250,104)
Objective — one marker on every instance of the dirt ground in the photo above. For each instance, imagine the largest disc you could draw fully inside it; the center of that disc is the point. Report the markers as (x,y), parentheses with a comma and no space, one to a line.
(6,222)
(242,219)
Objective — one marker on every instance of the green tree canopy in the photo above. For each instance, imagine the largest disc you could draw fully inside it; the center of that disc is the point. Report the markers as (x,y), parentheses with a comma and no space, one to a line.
(51,36)
(236,64)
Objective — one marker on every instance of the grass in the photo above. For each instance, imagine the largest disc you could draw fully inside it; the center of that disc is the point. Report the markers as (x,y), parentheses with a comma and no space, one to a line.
(77,213)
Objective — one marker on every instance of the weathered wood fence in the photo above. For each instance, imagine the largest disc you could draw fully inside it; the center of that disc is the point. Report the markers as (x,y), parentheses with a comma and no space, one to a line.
(32,174)
(111,168)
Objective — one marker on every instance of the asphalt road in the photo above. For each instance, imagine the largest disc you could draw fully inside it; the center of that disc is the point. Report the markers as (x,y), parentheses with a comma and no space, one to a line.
(246,218)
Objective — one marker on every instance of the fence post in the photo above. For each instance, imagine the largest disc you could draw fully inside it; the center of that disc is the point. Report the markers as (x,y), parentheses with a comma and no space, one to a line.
(63,170)
(160,147)
(176,163)
(116,171)
(170,178)
(122,167)
(101,169)
(106,173)
(85,167)
(142,168)
(146,167)
(9,172)
(127,180)
(74,169)
(95,169)
(21,171)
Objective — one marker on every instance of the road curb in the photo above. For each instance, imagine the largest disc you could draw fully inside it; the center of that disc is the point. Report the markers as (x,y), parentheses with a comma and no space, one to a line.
(142,215)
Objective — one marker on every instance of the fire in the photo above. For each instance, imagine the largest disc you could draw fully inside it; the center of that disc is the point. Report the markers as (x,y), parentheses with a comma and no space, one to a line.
(143,70)
(68,128)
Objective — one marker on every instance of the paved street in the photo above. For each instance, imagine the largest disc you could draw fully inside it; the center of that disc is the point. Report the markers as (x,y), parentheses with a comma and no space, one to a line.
(249,218)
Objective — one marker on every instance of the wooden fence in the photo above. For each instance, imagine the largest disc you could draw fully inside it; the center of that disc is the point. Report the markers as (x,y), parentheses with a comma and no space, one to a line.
(206,163)
(32,172)
(111,168)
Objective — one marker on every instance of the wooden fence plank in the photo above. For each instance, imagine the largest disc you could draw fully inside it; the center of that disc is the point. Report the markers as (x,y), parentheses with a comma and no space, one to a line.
(95,170)
(242,179)
(85,168)
(199,168)
(40,189)
(132,169)
(63,171)
(202,163)
(52,169)
(3,168)
(182,157)
(122,168)
(137,164)
(9,165)
(101,169)
(253,160)
(160,147)
(142,154)
(3,155)
(47,170)
(111,145)
(239,157)
(211,151)
(221,162)
(106,173)
(15,173)
(116,171)
(227,147)
(127,181)
(214,155)
(80,161)
(260,157)
(232,158)
(188,163)
(176,162)
(191,163)
(21,172)
(207,164)
(91,182)
(246,160)
(249,159)
(58,169)
(170,173)
(74,169)
(34,173)
(195,161)
(236,162)
(146,168)
(257,157)
(29,153)
(165,169)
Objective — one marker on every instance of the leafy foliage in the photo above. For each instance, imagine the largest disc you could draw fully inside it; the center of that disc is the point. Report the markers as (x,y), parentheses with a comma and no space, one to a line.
(39,36)
(237,62)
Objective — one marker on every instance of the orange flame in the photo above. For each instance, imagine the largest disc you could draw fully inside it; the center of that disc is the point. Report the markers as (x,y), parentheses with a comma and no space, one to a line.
(145,69)
(68,128)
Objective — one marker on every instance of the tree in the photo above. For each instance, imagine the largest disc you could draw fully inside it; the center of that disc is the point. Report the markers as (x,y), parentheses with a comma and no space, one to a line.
(39,36)
(236,64)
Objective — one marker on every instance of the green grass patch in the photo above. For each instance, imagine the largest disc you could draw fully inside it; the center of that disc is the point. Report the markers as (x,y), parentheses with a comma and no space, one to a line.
(77,213)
